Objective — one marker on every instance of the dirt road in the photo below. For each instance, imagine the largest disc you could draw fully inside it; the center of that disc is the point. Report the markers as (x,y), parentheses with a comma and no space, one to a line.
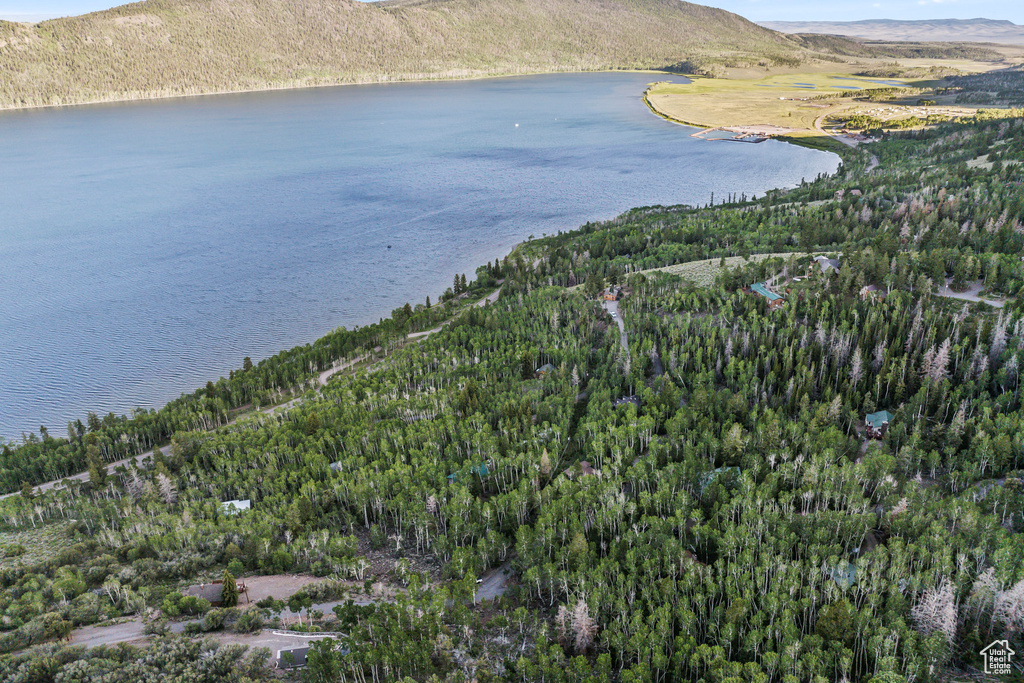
(112,467)
(489,299)
(971,294)
(94,636)
(493,584)
(849,142)
(613,308)
(82,476)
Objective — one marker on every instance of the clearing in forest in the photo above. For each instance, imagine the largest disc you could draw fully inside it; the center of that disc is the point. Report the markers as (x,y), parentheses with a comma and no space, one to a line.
(704,272)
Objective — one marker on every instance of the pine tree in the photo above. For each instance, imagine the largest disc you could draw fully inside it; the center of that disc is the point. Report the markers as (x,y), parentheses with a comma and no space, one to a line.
(229,593)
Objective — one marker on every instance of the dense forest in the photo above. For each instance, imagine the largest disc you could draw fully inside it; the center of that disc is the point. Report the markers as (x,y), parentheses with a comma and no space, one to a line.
(727,489)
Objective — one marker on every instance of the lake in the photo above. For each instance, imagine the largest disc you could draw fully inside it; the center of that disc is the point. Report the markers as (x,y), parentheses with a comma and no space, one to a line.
(146,248)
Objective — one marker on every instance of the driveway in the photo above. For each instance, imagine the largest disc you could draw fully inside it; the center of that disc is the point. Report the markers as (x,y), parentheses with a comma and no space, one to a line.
(269,638)
(613,308)
(94,636)
(494,584)
(971,294)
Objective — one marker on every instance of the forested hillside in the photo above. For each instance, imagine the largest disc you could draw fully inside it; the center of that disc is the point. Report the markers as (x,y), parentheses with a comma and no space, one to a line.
(701,498)
(181,47)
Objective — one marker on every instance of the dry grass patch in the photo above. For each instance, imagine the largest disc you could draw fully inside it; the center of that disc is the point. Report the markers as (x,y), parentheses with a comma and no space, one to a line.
(31,546)
(703,273)
(786,100)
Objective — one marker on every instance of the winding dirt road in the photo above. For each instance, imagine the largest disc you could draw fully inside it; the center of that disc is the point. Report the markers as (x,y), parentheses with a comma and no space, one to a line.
(321,379)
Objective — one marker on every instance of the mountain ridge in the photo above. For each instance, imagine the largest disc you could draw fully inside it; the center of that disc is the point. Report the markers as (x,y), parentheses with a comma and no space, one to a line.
(918,30)
(183,47)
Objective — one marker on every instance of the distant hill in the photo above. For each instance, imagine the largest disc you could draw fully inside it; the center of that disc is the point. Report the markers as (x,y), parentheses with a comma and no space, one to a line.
(936,30)
(175,47)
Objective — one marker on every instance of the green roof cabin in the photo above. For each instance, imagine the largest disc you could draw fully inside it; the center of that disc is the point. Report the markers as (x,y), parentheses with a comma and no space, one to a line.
(878,423)
(544,370)
(774,300)
(480,470)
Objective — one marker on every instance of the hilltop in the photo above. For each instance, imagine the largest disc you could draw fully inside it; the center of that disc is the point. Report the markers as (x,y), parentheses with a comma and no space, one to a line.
(180,47)
(931,30)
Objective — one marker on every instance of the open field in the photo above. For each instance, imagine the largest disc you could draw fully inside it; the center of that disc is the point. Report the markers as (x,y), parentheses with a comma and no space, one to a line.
(786,100)
(703,273)
(804,101)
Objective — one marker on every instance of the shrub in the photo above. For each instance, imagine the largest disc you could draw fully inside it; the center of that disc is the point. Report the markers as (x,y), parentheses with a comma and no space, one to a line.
(171,605)
(214,620)
(281,560)
(12,550)
(157,628)
(191,604)
(249,621)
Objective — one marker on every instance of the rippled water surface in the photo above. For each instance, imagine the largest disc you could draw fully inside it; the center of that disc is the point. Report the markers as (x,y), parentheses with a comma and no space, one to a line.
(146,248)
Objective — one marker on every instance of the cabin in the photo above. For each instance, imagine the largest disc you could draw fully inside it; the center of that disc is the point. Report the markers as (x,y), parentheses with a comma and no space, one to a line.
(878,423)
(336,467)
(761,289)
(291,659)
(844,574)
(867,544)
(626,400)
(871,293)
(213,592)
(480,470)
(585,470)
(612,294)
(826,264)
(234,507)
(728,475)
(544,370)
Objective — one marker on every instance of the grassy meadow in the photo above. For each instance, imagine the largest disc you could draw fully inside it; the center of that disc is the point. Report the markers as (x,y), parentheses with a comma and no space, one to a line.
(814,101)
(704,272)
(786,100)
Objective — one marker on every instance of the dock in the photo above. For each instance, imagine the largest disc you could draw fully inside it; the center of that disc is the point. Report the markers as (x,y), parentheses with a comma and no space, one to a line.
(752,134)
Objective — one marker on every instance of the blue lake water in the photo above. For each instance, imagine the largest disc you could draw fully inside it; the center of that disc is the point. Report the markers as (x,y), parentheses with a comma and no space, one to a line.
(146,248)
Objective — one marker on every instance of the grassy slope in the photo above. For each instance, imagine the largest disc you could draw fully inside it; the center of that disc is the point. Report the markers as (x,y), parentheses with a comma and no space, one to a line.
(704,272)
(174,47)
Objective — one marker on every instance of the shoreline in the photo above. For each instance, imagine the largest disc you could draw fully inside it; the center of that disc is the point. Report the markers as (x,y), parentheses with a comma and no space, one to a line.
(4,109)
(504,251)
(814,139)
